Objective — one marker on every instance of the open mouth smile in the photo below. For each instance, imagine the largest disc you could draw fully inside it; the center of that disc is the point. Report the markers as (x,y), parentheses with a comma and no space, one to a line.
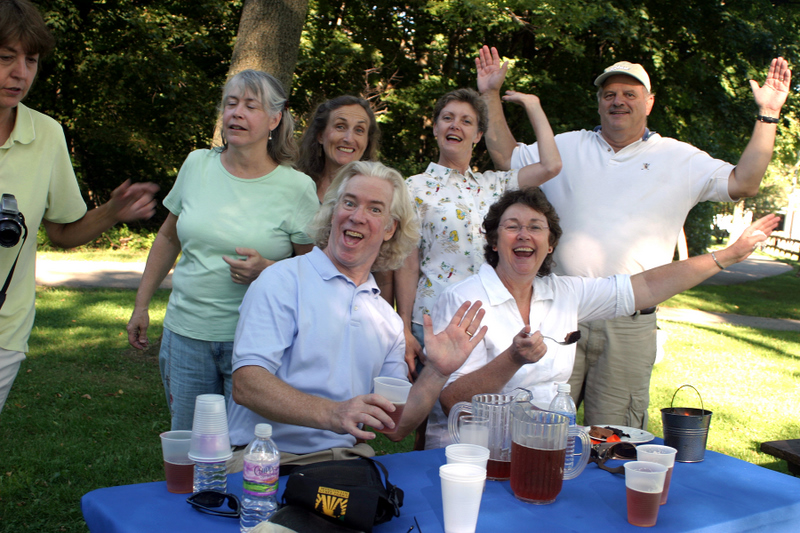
(524,251)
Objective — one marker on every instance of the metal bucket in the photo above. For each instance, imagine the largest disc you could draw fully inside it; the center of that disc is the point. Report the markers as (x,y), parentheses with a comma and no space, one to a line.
(686,429)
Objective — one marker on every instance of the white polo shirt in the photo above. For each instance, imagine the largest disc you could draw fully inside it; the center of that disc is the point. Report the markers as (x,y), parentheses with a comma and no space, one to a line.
(622,212)
(559,303)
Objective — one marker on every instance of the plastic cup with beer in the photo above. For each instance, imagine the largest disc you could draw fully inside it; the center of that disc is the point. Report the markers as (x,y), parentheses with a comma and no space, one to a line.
(644,482)
(663,455)
(396,391)
(178,468)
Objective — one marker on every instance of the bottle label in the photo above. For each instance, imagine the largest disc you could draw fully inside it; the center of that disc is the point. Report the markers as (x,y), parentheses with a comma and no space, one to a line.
(260,479)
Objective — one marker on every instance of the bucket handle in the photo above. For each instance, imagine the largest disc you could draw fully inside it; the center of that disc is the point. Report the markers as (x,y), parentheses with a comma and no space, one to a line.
(697,391)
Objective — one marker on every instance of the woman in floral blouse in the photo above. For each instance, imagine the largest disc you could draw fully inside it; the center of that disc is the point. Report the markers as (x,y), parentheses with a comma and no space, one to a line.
(451,200)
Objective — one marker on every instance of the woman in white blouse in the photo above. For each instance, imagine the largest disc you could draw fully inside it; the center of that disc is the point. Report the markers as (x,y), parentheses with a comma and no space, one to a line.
(524,301)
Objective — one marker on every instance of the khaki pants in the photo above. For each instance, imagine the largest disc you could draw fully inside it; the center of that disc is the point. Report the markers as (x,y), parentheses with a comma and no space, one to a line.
(611,375)
(10,362)
(236,463)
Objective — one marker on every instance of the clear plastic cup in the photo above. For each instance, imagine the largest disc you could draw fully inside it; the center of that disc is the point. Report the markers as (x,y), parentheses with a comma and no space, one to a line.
(178,468)
(210,440)
(396,391)
(462,489)
(474,429)
(644,482)
(663,455)
(467,454)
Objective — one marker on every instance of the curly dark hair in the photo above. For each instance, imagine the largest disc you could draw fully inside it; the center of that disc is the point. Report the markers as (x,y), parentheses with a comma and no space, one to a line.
(312,158)
(534,198)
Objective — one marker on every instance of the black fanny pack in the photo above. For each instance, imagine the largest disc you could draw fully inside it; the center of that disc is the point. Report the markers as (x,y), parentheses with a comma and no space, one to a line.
(350,493)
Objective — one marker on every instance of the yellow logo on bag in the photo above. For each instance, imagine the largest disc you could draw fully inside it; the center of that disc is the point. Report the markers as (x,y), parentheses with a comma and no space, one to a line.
(332,502)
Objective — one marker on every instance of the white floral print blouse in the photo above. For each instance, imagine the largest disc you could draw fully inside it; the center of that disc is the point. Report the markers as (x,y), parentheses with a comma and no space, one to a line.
(451,207)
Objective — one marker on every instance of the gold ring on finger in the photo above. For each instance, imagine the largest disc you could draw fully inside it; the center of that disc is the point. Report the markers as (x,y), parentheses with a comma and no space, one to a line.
(468,333)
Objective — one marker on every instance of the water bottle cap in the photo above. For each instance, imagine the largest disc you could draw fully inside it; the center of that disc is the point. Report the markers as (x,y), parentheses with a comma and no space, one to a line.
(564,387)
(264,431)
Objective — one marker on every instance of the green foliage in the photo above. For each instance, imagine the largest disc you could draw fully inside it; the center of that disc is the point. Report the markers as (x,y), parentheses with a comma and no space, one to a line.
(700,56)
(134,84)
(120,237)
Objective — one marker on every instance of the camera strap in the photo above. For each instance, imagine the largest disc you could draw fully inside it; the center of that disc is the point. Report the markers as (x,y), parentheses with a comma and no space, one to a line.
(11,272)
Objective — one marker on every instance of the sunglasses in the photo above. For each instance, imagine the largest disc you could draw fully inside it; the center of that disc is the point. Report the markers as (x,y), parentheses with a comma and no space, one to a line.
(624,451)
(209,501)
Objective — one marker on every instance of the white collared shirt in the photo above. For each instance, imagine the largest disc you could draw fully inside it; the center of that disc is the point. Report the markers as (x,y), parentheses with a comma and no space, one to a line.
(558,304)
(622,212)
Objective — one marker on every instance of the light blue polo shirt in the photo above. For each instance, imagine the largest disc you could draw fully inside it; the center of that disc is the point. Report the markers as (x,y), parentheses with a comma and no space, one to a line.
(312,327)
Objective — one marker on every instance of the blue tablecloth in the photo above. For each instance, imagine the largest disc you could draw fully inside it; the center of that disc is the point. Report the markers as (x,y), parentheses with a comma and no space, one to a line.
(720,494)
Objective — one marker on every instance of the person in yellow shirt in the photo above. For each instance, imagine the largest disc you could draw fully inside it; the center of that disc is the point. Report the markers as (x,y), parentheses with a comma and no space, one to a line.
(36,172)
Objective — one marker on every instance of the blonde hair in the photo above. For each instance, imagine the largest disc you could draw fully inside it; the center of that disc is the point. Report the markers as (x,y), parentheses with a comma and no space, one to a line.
(406,236)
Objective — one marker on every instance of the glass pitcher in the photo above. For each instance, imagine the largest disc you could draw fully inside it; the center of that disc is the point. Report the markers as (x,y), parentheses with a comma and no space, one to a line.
(538,450)
(497,408)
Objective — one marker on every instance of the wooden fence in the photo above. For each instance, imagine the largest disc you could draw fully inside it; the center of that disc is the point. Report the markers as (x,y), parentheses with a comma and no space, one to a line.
(784,247)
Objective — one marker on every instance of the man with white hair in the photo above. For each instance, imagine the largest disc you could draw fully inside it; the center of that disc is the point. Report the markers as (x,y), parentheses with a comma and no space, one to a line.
(623,195)
(314,332)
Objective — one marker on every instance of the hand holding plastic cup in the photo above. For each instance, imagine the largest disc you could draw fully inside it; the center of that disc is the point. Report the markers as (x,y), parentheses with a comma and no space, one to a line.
(462,489)
(471,454)
(644,482)
(178,468)
(663,455)
(396,391)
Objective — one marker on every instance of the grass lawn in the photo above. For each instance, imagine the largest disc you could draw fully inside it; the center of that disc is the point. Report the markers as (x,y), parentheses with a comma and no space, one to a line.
(86,410)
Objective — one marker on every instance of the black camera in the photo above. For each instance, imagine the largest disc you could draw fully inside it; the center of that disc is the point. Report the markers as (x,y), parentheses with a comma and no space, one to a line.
(12,223)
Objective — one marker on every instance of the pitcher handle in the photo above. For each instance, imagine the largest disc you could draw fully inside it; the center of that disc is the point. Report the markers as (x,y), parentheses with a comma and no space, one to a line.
(452,419)
(579,461)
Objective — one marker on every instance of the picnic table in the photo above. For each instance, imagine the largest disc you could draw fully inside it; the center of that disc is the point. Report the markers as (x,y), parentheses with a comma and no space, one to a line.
(720,493)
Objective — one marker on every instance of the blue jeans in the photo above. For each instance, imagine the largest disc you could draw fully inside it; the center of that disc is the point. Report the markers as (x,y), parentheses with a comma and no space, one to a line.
(190,367)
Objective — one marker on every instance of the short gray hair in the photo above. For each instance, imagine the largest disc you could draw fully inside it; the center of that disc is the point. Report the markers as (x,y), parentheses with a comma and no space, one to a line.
(406,236)
(282,147)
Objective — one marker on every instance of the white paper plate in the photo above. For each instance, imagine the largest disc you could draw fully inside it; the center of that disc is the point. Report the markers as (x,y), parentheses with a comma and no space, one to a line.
(637,436)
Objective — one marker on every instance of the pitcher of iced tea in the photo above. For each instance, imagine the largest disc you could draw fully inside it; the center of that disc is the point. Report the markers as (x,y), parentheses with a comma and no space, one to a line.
(538,451)
(497,408)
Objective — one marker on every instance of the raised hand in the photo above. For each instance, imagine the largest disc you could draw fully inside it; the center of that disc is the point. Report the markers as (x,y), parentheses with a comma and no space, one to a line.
(772,95)
(448,350)
(133,201)
(491,72)
(756,233)
(522,99)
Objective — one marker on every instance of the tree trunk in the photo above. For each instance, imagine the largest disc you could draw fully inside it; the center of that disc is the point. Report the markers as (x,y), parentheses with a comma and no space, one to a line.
(268,39)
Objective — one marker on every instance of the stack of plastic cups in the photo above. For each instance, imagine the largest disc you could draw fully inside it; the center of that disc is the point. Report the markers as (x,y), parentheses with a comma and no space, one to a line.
(211,444)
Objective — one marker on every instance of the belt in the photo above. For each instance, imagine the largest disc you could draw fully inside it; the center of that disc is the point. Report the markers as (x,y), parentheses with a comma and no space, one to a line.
(646,311)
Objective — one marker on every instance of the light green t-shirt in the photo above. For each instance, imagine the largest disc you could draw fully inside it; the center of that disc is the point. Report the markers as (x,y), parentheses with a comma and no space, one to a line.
(35,168)
(218,212)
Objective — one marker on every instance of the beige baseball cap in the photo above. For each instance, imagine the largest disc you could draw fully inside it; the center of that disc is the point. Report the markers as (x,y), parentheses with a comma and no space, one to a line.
(634,70)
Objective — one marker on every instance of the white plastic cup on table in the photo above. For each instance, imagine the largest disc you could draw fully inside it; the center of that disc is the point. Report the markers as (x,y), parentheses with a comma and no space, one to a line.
(663,455)
(396,391)
(644,482)
(474,429)
(462,489)
(468,454)
(178,468)
(211,444)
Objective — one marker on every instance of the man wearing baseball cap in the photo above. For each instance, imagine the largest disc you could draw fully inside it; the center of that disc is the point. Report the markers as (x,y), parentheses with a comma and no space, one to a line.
(623,195)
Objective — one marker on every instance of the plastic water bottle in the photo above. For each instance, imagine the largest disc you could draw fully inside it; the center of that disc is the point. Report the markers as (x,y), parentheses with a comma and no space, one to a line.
(261,470)
(563,404)
(210,476)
